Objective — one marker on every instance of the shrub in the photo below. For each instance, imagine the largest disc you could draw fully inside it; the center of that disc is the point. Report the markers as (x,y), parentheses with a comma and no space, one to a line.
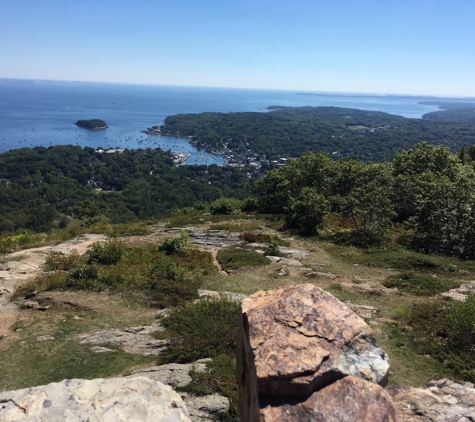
(107,254)
(254,237)
(250,204)
(273,240)
(175,244)
(203,329)
(84,272)
(461,322)
(419,285)
(171,284)
(59,261)
(228,206)
(166,280)
(231,259)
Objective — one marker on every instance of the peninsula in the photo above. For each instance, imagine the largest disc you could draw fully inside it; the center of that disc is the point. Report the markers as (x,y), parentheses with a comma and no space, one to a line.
(94,124)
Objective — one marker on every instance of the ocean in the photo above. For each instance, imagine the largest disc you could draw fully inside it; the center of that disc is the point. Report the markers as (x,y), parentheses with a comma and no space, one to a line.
(42,113)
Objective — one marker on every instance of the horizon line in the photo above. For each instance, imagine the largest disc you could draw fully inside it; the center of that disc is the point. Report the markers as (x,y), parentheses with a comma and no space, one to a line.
(296,91)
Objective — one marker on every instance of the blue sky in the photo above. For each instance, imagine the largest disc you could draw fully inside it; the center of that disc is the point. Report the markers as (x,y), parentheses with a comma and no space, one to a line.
(374,46)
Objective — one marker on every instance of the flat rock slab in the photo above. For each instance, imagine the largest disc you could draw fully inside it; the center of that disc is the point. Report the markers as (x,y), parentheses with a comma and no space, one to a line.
(460,293)
(136,340)
(172,374)
(204,408)
(319,274)
(348,400)
(210,238)
(115,399)
(286,261)
(235,297)
(440,401)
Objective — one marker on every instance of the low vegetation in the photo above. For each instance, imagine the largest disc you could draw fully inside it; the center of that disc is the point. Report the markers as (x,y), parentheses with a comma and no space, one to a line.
(233,258)
(420,285)
(444,330)
(202,329)
(206,328)
(165,279)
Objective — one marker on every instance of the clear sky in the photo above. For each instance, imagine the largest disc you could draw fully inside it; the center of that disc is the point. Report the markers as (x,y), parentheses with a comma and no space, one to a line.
(374,46)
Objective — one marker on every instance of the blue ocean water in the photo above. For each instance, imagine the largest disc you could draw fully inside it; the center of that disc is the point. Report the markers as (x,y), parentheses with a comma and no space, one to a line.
(34,113)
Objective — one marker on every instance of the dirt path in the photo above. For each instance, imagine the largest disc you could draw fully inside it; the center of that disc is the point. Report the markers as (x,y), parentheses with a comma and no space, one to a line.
(214,254)
(18,267)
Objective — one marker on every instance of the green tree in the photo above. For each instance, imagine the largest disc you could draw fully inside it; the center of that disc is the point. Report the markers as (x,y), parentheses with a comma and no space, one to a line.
(307,211)
(89,212)
(368,204)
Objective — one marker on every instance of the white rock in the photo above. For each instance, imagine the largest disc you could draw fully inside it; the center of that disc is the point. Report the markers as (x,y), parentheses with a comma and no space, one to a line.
(115,399)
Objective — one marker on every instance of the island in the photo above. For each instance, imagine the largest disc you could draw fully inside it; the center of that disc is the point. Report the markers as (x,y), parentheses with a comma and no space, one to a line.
(94,124)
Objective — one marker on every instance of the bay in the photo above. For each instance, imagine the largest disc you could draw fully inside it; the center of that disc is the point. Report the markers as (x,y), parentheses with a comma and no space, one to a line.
(42,113)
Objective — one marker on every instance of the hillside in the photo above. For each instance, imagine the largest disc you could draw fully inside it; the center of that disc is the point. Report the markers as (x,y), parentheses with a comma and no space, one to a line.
(62,326)
(340,132)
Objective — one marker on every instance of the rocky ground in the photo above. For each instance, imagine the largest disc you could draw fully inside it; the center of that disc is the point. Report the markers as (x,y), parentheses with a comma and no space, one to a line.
(441,400)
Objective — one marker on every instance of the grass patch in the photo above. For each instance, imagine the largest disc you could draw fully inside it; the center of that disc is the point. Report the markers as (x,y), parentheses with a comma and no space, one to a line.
(203,329)
(231,259)
(25,239)
(402,259)
(27,362)
(409,367)
(125,229)
(419,285)
(444,330)
(238,226)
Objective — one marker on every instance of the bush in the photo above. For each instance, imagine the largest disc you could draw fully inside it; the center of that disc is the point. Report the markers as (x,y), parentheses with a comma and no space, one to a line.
(231,259)
(254,237)
(273,245)
(170,284)
(59,261)
(108,254)
(250,204)
(461,322)
(206,328)
(175,244)
(419,285)
(227,206)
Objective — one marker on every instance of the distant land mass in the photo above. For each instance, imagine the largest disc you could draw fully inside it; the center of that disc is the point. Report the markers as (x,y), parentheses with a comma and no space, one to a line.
(456,111)
(92,124)
(291,131)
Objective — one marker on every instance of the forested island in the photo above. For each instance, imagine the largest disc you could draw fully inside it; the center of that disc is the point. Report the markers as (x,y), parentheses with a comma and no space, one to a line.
(291,131)
(92,124)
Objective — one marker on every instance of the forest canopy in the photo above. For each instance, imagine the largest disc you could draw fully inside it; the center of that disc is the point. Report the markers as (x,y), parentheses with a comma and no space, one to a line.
(426,190)
(341,132)
(39,184)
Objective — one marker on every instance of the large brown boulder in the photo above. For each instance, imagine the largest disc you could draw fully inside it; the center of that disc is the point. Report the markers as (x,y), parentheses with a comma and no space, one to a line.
(350,399)
(296,340)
